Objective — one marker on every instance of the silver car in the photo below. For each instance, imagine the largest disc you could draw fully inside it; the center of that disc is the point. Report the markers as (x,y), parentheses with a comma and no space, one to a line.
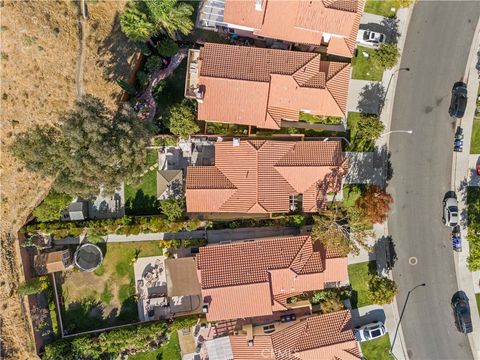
(370,38)
(370,331)
(450,211)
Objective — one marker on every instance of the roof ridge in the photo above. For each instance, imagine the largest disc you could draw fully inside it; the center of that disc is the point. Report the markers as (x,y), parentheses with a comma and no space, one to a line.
(301,249)
(330,92)
(340,68)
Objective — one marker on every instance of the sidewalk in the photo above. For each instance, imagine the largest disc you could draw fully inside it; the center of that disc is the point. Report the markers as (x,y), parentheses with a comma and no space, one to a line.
(467,281)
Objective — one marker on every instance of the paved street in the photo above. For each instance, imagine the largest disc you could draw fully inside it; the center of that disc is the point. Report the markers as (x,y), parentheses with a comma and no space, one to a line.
(436,50)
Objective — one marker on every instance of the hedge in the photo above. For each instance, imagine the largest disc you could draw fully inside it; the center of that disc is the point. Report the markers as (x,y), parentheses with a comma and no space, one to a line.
(127,225)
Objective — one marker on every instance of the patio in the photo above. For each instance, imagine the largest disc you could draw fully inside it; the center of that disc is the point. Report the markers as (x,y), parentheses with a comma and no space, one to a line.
(158,296)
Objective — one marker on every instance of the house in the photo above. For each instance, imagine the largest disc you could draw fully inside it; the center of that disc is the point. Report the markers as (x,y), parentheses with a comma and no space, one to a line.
(265,88)
(254,278)
(50,262)
(330,25)
(327,336)
(266,176)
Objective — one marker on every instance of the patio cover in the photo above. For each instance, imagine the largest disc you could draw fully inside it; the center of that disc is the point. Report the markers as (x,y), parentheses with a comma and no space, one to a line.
(182,277)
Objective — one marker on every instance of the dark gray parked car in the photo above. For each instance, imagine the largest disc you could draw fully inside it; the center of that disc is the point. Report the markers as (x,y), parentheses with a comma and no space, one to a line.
(461,312)
(459,100)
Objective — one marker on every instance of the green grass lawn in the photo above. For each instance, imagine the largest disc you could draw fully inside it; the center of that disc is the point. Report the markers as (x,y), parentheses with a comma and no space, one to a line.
(105,297)
(364,68)
(378,349)
(142,199)
(475,144)
(383,7)
(359,275)
(171,350)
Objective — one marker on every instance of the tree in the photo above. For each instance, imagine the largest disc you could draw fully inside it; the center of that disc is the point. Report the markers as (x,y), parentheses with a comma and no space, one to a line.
(153,64)
(51,208)
(135,24)
(368,130)
(382,290)
(386,56)
(92,148)
(173,208)
(33,286)
(39,317)
(129,89)
(375,204)
(167,47)
(170,16)
(341,231)
(143,19)
(181,120)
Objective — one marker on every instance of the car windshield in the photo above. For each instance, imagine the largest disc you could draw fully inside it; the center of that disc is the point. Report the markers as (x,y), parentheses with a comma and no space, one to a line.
(366,35)
(453,210)
(367,335)
(375,333)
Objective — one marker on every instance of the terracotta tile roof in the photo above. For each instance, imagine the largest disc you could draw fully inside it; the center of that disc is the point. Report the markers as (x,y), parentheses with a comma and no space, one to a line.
(259,87)
(243,279)
(328,336)
(260,176)
(300,21)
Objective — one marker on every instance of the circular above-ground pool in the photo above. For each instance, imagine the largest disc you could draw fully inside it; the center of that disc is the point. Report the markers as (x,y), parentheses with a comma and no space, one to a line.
(88,257)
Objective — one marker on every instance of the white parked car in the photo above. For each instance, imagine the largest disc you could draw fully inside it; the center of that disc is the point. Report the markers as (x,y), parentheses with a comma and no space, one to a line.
(370,38)
(450,211)
(370,331)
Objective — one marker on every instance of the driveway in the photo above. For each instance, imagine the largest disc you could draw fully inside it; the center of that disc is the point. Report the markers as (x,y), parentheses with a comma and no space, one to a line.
(436,50)
(367,314)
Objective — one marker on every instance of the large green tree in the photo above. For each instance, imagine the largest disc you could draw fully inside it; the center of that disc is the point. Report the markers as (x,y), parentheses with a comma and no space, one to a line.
(92,147)
(382,290)
(181,120)
(142,19)
(386,55)
(50,209)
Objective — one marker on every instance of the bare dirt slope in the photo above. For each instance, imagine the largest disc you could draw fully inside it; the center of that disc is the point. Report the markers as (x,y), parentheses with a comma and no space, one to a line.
(39,53)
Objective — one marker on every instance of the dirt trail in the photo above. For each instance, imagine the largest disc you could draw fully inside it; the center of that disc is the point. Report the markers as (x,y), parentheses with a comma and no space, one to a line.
(83,26)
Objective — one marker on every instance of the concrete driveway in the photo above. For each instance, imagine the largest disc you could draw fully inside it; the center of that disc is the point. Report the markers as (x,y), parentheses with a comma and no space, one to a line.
(367,314)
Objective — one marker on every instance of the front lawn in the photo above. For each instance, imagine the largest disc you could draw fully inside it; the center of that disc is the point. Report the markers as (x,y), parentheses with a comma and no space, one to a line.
(364,68)
(384,7)
(378,349)
(475,144)
(477,299)
(473,217)
(142,199)
(359,275)
(105,297)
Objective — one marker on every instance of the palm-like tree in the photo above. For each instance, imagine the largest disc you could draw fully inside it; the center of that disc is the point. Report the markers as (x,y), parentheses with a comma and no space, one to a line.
(170,16)
(143,19)
(135,24)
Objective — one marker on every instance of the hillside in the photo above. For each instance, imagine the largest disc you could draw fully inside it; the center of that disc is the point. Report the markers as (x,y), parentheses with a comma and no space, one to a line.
(39,55)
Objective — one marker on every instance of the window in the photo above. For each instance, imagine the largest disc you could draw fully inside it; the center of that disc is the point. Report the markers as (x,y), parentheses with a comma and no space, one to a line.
(268,329)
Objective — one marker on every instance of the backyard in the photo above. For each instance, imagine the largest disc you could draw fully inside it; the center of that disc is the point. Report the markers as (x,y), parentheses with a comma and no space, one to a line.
(142,199)
(359,275)
(384,7)
(378,349)
(364,68)
(105,297)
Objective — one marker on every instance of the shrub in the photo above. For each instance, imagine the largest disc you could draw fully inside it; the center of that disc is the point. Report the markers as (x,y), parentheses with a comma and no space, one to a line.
(51,208)
(142,79)
(180,120)
(173,208)
(153,64)
(375,204)
(33,286)
(194,242)
(386,56)
(167,47)
(331,305)
(166,141)
(382,290)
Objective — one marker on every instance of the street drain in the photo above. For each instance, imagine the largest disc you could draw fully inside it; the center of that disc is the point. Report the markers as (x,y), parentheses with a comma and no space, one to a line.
(413,261)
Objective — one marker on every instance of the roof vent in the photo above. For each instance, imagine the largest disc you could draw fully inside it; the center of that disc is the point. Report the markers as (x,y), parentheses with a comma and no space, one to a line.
(250,343)
(326,37)
(258,5)
(205,308)
(236,142)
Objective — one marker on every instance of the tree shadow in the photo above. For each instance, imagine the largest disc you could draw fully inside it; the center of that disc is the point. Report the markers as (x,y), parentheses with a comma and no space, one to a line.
(370,167)
(142,204)
(83,315)
(371,100)
(385,248)
(478,62)
(115,52)
(128,311)
(390,25)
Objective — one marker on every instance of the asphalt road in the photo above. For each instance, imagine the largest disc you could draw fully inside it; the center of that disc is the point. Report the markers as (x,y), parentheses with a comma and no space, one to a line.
(436,50)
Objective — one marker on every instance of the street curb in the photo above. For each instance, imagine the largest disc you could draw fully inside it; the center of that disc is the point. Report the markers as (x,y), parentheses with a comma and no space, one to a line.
(463,275)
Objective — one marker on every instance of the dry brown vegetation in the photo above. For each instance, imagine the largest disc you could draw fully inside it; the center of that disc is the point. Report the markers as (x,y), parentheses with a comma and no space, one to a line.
(40,43)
